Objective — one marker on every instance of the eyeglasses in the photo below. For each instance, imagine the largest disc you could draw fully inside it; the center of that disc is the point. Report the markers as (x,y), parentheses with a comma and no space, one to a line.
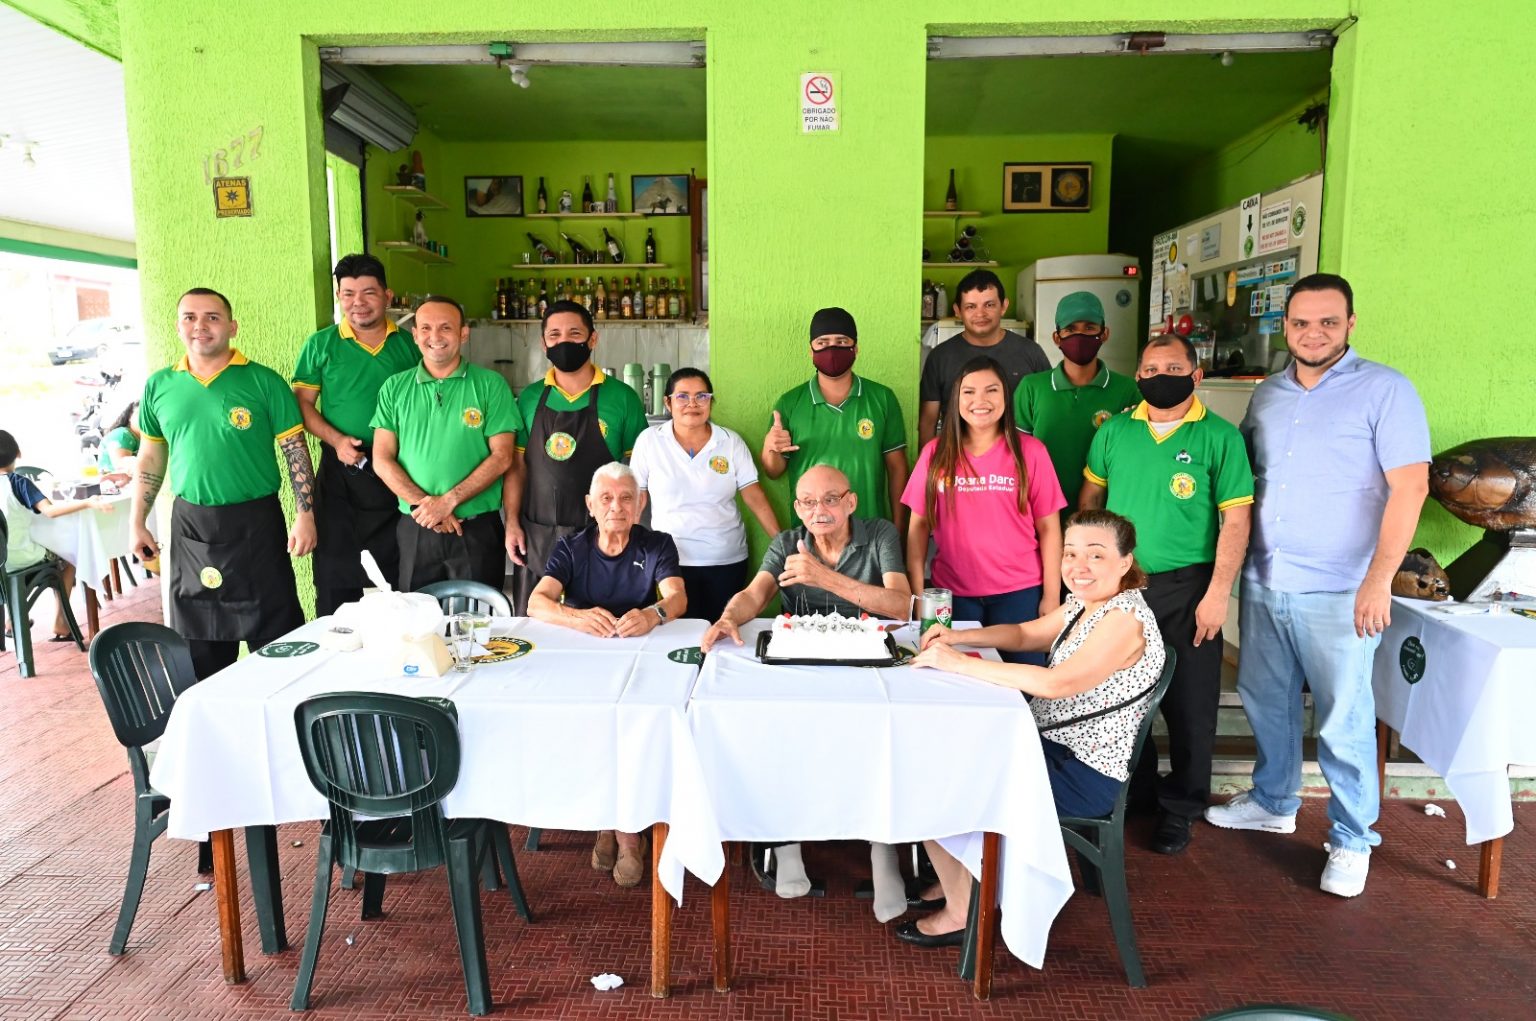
(685,398)
(829,501)
(822,343)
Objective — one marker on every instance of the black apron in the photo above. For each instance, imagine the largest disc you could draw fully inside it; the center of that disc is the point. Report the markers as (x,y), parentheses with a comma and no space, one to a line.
(231,578)
(354,511)
(554,496)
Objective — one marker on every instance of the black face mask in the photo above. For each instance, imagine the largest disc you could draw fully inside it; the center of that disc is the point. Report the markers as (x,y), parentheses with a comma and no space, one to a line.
(1165,391)
(568,355)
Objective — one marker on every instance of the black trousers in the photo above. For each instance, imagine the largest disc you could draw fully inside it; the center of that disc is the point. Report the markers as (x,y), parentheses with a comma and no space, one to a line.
(354,511)
(1192,701)
(477,555)
(710,588)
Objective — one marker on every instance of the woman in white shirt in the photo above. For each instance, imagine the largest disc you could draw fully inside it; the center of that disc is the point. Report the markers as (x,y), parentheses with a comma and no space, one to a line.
(693,470)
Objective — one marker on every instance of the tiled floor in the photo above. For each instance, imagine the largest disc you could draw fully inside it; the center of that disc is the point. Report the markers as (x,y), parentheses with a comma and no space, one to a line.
(1238,919)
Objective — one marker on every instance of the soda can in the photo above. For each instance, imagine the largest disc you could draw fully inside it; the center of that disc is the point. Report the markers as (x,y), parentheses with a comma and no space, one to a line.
(938,608)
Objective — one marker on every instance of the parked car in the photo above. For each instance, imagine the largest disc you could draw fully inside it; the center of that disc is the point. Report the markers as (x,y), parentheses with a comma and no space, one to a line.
(92,338)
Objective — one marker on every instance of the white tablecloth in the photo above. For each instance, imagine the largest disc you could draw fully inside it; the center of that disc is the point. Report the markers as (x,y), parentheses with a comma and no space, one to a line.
(1461,691)
(90,539)
(581,733)
(892,755)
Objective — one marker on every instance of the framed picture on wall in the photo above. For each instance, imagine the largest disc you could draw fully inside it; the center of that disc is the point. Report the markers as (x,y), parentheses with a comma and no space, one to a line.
(493,196)
(1047,187)
(659,194)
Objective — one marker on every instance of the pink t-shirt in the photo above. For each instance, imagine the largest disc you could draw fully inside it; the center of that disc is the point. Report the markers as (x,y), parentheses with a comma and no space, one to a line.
(986,547)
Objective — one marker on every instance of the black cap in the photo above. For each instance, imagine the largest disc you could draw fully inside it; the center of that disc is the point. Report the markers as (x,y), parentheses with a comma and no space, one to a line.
(833,320)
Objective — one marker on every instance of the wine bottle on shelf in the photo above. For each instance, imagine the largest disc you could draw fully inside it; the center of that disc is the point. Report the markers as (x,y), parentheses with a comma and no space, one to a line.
(546,254)
(613,297)
(615,250)
(579,251)
(612,205)
(586,194)
(650,299)
(675,299)
(600,300)
(543,199)
(951,200)
(627,301)
(650,245)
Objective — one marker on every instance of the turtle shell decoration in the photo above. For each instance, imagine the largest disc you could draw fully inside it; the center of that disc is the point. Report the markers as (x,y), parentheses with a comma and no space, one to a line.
(1489,483)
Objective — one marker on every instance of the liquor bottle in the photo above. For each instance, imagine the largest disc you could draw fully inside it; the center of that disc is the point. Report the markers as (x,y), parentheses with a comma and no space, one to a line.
(929,299)
(650,299)
(627,301)
(612,205)
(532,298)
(650,245)
(613,297)
(600,300)
(586,194)
(546,254)
(614,248)
(675,300)
(951,200)
(579,252)
(639,297)
(543,197)
(683,305)
(940,301)
(588,295)
(543,299)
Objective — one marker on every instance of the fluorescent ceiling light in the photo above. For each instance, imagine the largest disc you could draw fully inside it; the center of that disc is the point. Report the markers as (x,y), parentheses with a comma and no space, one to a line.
(956,48)
(683,54)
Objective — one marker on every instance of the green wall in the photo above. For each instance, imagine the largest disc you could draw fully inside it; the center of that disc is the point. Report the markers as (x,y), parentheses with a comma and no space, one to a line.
(1264,159)
(803,220)
(485,249)
(1013,239)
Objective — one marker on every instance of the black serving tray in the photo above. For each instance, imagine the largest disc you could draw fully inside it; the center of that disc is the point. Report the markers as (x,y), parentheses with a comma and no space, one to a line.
(762,655)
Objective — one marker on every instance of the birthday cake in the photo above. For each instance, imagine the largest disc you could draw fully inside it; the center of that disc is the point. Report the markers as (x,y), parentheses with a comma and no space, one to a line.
(829,637)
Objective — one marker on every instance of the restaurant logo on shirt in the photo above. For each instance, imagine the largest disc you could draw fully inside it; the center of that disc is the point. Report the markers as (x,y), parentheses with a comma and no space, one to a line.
(210,577)
(560,446)
(1412,659)
(1102,416)
(240,418)
(1182,485)
(473,417)
(602,427)
(719,465)
(866,429)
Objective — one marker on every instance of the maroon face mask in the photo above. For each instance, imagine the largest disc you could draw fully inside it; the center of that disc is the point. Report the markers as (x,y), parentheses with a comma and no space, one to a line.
(834,361)
(1081,348)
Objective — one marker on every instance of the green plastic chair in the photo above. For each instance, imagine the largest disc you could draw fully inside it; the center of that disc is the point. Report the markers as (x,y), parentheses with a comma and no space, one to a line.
(385,762)
(1275,1012)
(140,669)
(464,596)
(1100,845)
(19,590)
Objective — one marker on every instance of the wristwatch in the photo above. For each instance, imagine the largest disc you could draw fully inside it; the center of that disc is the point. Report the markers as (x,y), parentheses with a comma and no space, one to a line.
(661,614)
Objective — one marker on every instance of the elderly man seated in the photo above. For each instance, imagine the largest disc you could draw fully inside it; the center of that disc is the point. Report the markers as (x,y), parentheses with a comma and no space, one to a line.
(835,561)
(614,579)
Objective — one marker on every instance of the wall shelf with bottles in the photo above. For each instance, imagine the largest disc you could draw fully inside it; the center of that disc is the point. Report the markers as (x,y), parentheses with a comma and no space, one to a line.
(584,216)
(604,321)
(960,265)
(949,214)
(599,266)
(415,197)
(411,250)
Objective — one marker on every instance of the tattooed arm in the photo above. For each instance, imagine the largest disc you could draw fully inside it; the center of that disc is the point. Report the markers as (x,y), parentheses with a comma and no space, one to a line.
(152,461)
(301,475)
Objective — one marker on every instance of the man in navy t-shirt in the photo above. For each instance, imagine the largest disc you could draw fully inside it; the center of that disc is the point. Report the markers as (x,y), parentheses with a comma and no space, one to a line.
(613,579)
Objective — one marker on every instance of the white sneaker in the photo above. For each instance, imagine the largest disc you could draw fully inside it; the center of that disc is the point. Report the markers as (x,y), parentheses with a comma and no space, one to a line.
(1345,872)
(1244,813)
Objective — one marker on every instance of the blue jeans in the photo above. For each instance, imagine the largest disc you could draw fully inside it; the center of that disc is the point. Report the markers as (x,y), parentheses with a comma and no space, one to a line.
(1288,637)
(1008,608)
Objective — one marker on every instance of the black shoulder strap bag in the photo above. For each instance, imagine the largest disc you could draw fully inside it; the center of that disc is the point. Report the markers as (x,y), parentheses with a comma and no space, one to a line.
(1097,712)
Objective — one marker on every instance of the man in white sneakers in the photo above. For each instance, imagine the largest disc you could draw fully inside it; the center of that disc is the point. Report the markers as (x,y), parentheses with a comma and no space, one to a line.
(1340,451)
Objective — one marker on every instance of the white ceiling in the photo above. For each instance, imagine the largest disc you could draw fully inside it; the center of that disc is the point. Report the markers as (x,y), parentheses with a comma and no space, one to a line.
(69,100)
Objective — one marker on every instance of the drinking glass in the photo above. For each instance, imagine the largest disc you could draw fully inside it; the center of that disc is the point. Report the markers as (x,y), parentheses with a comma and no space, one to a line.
(461,636)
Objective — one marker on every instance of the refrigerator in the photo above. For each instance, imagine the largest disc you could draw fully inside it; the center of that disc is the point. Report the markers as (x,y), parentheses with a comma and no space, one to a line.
(1116,279)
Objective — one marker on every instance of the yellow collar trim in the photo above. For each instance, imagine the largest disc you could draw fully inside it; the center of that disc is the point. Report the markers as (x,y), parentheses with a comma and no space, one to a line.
(344,328)
(235,358)
(597,377)
(1195,413)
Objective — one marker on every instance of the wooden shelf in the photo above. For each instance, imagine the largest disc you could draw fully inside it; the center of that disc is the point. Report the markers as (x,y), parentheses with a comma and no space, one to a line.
(524,266)
(411,250)
(959,265)
(413,196)
(584,216)
(946,214)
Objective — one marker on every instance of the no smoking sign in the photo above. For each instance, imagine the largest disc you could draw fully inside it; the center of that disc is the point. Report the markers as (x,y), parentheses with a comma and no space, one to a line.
(818,102)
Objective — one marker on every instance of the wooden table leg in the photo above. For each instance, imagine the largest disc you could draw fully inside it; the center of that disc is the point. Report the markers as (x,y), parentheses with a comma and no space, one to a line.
(1488,868)
(116,580)
(986,915)
(661,920)
(720,911)
(1383,736)
(92,614)
(226,888)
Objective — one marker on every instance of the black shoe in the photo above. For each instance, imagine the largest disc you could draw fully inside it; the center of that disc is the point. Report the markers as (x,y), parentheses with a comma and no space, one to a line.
(1173,832)
(918,904)
(908,932)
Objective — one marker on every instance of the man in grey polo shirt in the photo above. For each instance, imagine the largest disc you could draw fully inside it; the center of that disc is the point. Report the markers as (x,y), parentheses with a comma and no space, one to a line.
(1340,448)
(836,561)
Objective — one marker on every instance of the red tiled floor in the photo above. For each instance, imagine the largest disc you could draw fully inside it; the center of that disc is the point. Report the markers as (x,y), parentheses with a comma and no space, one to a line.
(1238,919)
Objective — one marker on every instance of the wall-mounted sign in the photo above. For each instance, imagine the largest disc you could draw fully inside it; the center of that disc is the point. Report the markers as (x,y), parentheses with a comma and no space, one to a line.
(232,196)
(1248,227)
(818,102)
(1275,227)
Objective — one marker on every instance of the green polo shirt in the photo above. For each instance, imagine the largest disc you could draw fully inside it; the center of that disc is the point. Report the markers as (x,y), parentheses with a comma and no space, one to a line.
(620,415)
(220,429)
(1065,416)
(348,373)
(1173,486)
(444,428)
(852,437)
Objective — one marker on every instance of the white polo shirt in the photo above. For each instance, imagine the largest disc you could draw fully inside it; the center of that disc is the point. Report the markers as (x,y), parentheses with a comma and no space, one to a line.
(693,499)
